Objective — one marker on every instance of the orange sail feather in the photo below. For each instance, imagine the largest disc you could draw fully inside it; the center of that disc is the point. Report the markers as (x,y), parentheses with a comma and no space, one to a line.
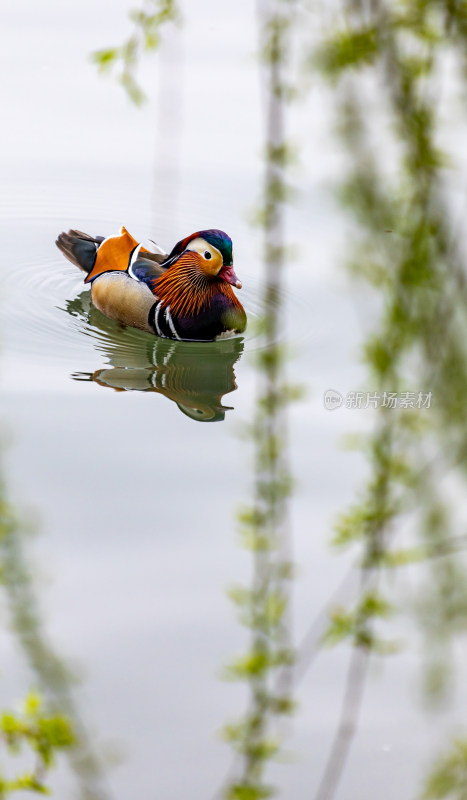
(113,254)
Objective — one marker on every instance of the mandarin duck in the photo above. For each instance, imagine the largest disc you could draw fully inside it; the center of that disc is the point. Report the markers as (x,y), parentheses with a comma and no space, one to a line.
(186,294)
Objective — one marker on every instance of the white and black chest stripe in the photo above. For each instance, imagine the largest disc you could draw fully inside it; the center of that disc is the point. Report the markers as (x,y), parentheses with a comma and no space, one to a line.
(160,319)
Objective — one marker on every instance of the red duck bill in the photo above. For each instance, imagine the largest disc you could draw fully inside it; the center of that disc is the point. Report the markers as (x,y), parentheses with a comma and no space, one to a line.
(228,274)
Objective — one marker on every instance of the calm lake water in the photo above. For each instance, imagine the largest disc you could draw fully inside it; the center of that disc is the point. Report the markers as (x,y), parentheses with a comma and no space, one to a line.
(136,490)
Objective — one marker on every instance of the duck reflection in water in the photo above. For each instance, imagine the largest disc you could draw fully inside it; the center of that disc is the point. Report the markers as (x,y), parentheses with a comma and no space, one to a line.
(195,375)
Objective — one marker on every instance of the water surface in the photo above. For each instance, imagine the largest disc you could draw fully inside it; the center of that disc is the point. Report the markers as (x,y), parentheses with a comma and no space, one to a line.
(135,495)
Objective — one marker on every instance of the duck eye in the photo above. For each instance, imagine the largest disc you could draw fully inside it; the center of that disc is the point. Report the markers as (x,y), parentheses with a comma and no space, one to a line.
(207,255)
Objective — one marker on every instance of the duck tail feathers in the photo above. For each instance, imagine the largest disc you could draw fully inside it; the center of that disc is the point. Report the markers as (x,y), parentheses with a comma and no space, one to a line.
(79,248)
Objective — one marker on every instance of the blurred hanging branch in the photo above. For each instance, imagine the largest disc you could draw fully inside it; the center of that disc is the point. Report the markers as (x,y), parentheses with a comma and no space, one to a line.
(51,724)
(265,606)
(448,778)
(146,37)
(44,735)
(409,253)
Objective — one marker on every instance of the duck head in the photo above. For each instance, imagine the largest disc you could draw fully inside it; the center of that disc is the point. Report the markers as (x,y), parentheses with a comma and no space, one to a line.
(213,255)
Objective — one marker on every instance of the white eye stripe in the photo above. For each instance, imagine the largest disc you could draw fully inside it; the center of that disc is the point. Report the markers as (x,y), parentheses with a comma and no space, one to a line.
(201,246)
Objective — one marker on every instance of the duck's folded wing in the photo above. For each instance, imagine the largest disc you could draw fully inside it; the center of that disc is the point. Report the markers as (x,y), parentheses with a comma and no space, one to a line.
(147,268)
